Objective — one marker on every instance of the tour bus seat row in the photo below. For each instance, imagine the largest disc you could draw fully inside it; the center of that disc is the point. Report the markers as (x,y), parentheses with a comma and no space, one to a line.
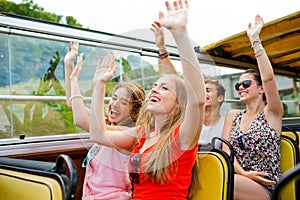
(289,150)
(215,172)
(32,180)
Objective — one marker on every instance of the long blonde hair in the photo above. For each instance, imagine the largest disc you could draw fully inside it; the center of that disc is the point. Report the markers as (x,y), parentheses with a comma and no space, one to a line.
(157,163)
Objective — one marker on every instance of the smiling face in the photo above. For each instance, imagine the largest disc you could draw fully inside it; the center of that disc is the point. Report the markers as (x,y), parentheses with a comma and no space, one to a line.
(211,95)
(250,92)
(120,106)
(162,97)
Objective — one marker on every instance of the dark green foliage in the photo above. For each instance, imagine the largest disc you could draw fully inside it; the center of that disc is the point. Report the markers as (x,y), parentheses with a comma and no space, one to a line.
(29,9)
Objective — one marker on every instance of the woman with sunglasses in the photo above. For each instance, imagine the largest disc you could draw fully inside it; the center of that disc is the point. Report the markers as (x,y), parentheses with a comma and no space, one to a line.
(165,142)
(255,131)
(104,179)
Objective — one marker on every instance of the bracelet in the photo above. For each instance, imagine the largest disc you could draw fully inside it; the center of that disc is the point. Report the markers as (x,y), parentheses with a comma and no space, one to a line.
(259,52)
(256,42)
(163,55)
(76,96)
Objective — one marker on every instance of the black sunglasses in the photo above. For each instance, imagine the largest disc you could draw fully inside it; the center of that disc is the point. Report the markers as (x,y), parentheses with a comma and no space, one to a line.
(135,160)
(245,84)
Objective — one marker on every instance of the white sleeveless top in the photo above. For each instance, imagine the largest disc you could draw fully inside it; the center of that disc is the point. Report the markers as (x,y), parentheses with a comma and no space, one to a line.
(208,132)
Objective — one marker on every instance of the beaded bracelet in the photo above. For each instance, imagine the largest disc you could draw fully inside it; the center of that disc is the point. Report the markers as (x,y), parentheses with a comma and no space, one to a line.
(255,43)
(76,96)
(163,55)
(259,52)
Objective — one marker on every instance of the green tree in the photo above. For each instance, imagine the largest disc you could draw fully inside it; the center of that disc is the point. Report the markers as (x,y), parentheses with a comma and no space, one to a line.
(29,9)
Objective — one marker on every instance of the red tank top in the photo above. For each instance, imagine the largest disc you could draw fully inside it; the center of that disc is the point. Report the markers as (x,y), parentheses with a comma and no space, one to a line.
(177,187)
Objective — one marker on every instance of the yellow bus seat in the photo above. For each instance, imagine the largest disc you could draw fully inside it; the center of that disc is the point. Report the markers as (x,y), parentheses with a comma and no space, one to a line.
(19,185)
(216,175)
(289,158)
(33,180)
(289,132)
(289,177)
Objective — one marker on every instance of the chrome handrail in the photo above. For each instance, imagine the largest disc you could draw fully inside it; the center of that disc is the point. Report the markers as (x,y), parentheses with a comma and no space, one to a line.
(40,98)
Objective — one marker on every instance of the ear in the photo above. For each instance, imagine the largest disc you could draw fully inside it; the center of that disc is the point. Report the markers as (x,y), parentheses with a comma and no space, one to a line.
(260,89)
(220,98)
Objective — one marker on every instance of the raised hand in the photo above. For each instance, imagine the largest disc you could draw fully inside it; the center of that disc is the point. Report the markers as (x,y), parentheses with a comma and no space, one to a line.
(73,52)
(177,18)
(255,29)
(158,31)
(75,73)
(106,70)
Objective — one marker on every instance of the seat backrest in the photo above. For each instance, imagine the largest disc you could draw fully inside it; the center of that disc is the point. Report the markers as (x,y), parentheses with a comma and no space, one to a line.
(289,158)
(216,175)
(291,133)
(27,186)
(30,180)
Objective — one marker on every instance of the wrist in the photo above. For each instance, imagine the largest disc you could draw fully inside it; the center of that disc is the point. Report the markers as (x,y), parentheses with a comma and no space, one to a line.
(255,42)
(69,61)
(162,50)
(79,96)
(163,55)
(74,79)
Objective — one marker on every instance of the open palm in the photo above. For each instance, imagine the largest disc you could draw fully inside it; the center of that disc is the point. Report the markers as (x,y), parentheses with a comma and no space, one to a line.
(177,17)
(106,70)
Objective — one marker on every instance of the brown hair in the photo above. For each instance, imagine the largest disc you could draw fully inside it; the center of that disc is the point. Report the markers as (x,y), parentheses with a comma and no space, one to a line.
(137,98)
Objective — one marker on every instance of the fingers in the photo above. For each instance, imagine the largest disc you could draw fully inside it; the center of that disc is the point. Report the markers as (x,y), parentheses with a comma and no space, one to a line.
(258,19)
(98,63)
(168,6)
(161,16)
(186,4)
(108,60)
(175,5)
(156,25)
(268,182)
(180,4)
(77,69)
(262,174)
(74,43)
(249,25)
(79,59)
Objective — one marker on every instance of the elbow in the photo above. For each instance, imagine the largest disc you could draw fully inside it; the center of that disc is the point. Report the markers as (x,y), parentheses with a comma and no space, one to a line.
(81,124)
(93,138)
(96,138)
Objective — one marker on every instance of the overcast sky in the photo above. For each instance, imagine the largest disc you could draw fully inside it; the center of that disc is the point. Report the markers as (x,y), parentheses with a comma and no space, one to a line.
(209,21)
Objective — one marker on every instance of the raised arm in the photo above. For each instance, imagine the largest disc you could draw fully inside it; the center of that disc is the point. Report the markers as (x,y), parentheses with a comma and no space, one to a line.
(176,22)
(274,109)
(74,98)
(165,61)
(81,116)
(69,66)
(117,137)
